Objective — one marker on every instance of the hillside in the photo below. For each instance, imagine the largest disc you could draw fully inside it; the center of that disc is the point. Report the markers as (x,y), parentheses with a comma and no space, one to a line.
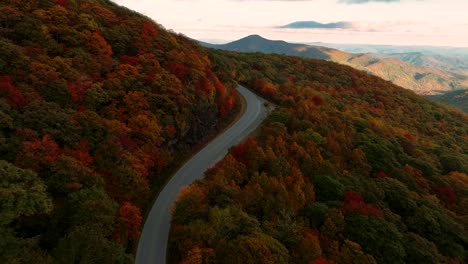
(458,52)
(97,104)
(349,168)
(422,80)
(457,99)
(457,65)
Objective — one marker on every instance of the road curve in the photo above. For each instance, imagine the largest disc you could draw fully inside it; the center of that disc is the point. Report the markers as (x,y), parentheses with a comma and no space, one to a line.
(153,241)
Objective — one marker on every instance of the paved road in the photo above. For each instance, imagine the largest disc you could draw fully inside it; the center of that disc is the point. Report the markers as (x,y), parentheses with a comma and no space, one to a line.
(153,241)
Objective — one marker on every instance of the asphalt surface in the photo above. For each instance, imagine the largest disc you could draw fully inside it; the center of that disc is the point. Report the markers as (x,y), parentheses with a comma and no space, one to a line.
(153,241)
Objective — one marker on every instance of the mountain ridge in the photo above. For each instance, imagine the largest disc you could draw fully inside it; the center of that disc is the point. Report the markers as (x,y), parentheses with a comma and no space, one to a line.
(257,43)
(422,80)
(344,157)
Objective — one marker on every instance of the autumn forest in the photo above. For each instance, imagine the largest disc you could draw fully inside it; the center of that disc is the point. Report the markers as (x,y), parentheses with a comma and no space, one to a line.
(348,169)
(99,103)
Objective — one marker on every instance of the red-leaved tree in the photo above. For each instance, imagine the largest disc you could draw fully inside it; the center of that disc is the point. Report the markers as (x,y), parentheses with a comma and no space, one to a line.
(354,202)
(321,260)
(63,3)
(128,226)
(15,98)
(38,154)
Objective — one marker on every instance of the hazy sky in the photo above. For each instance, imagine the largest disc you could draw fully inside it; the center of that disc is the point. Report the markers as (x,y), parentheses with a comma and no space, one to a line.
(403,22)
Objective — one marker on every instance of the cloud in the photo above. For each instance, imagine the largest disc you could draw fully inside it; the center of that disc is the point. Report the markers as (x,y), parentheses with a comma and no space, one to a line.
(313,24)
(365,1)
(358,26)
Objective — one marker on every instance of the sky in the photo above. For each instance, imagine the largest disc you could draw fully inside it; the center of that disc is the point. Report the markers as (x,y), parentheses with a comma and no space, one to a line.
(393,22)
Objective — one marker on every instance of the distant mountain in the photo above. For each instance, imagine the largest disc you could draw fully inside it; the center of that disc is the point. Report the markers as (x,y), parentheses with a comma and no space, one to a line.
(392,49)
(256,43)
(454,64)
(458,99)
(422,80)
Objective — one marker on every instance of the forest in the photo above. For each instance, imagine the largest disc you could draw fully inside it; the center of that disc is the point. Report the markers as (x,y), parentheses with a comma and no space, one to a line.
(97,104)
(349,168)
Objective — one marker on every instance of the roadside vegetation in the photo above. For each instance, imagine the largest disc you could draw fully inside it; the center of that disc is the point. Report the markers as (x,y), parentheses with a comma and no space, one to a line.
(349,168)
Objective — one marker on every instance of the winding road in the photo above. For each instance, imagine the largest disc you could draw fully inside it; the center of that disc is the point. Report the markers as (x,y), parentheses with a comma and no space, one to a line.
(153,241)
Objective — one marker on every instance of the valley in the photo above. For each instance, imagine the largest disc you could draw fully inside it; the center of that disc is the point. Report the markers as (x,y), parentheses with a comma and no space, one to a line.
(422,79)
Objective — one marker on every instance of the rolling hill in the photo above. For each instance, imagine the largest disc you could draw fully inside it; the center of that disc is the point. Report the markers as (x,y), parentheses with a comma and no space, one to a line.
(348,168)
(458,52)
(457,99)
(456,65)
(422,80)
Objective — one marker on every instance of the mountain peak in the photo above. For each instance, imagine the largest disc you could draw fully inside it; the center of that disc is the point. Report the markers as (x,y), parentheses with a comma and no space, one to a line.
(257,43)
(254,36)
